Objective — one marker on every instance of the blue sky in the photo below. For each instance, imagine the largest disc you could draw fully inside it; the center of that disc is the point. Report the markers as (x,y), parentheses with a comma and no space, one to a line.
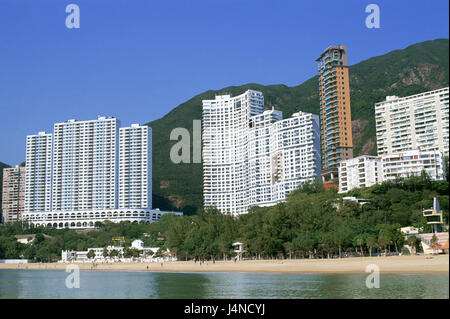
(138,59)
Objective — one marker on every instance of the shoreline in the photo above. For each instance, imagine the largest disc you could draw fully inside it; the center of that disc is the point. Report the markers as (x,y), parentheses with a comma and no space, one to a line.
(421,264)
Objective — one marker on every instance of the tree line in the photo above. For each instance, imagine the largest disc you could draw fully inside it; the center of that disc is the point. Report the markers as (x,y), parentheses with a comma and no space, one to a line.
(311,223)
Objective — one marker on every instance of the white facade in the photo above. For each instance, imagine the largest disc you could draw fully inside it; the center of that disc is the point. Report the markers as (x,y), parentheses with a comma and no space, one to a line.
(365,171)
(418,121)
(81,256)
(225,152)
(38,174)
(358,172)
(135,167)
(88,172)
(87,219)
(85,165)
(138,244)
(252,157)
(146,255)
(405,164)
(295,153)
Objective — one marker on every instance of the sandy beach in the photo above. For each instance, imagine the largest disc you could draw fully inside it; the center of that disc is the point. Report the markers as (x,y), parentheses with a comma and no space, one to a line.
(394,264)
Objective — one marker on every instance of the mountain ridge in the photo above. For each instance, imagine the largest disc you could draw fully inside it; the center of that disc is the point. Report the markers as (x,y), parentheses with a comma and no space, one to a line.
(419,67)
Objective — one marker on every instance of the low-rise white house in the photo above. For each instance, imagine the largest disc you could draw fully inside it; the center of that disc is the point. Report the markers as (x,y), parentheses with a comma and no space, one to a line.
(147,254)
(28,239)
(138,244)
(81,256)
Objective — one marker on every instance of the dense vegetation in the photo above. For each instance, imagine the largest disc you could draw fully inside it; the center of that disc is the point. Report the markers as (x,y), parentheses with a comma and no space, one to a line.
(311,223)
(418,68)
(49,249)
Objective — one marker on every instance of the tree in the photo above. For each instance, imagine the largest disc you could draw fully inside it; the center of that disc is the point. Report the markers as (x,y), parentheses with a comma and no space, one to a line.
(130,252)
(30,252)
(371,241)
(90,254)
(413,243)
(434,239)
(389,234)
(359,242)
(158,254)
(105,253)
(114,253)
(39,238)
(98,224)
(289,248)
(326,242)
(384,242)
(305,244)
(43,254)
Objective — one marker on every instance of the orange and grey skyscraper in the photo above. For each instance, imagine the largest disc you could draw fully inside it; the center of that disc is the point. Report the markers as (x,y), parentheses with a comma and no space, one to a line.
(335,111)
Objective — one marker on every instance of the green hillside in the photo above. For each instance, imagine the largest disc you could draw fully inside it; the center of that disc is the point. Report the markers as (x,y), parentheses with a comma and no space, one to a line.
(419,67)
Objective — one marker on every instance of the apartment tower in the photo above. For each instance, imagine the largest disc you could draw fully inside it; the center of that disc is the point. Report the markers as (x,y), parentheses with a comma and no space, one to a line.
(13,196)
(85,164)
(335,112)
(38,173)
(225,137)
(135,167)
(359,172)
(253,157)
(415,122)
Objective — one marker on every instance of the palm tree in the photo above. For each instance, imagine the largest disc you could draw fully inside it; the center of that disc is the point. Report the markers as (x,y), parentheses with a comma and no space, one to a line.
(412,242)
(384,242)
(434,243)
(90,254)
(360,242)
(105,253)
(370,243)
(434,239)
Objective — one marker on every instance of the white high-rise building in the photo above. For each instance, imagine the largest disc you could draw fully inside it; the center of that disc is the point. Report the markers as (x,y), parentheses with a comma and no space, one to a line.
(414,162)
(135,167)
(416,122)
(358,172)
(92,161)
(365,171)
(38,174)
(85,164)
(252,157)
(225,153)
(261,141)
